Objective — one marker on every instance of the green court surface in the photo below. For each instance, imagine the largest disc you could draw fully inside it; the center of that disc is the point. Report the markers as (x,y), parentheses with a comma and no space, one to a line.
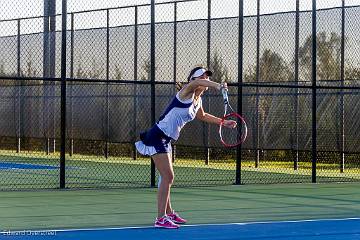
(40,171)
(69,209)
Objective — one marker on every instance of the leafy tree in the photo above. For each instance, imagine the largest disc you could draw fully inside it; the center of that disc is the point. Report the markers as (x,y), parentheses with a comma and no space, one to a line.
(118,72)
(2,69)
(220,72)
(80,72)
(29,70)
(4,74)
(96,71)
(273,68)
(328,68)
(328,57)
(352,73)
(147,68)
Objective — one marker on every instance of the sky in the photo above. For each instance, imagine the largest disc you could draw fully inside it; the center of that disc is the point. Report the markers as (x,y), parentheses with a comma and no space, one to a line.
(12,9)
(24,8)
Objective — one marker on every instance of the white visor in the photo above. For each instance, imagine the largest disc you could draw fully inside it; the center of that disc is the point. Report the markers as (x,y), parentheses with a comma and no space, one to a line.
(200,72)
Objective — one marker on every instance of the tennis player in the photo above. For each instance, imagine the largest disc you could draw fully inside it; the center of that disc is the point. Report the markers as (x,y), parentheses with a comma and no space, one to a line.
(155,142)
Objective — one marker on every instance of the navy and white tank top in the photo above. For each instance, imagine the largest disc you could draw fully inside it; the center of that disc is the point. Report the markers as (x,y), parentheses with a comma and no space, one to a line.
(177,114)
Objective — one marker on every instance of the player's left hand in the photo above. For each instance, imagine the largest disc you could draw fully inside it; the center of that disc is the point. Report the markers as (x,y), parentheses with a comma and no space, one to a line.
(230,124)
(224,86)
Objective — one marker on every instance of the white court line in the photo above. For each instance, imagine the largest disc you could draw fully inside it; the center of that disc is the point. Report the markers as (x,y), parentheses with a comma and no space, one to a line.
(189,225)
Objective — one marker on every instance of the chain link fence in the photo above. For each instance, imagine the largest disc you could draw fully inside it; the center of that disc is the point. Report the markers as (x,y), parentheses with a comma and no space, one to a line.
(110,91)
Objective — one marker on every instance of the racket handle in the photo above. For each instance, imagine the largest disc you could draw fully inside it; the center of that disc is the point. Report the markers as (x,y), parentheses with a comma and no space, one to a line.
(225,95)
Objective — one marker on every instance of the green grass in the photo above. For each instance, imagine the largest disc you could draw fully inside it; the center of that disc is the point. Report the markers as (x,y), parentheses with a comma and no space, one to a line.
(93,171)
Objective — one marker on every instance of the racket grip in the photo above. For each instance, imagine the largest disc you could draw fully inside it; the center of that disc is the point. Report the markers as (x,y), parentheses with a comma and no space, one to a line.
(225,95)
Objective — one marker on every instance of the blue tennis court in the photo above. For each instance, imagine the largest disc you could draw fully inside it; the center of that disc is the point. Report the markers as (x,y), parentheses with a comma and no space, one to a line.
(25,166)
(329,229)
(10,165)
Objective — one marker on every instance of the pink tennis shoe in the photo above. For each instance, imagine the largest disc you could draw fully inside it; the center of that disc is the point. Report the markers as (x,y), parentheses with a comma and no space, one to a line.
(176,218)
(165,222)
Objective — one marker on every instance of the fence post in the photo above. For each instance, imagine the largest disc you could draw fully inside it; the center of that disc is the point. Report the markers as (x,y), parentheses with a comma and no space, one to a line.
(52,58)
(49,46)
(256,125)
(19,132)
(313,75)
(206,127)
(240,82)
(174,68)
(342,78)
(135,78)
(63,94)
(107,85)
(46,72)
(296,102)
(152,79)
(71,84)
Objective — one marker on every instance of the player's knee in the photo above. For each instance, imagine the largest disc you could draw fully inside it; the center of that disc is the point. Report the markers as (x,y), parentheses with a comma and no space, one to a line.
(168,178)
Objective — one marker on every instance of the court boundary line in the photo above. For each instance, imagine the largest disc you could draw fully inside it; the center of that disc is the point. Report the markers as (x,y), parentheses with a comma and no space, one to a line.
(188,225)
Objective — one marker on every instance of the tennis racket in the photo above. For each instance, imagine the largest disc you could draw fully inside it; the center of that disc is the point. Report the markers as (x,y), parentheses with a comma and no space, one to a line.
(233,129)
